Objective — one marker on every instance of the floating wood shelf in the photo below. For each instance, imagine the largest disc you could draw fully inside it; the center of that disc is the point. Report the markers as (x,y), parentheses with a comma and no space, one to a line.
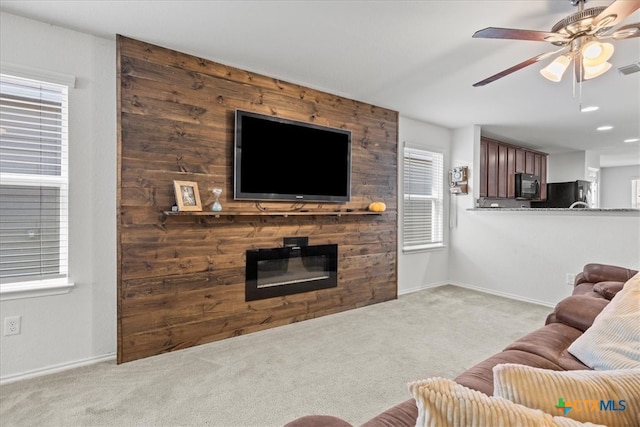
(269,213)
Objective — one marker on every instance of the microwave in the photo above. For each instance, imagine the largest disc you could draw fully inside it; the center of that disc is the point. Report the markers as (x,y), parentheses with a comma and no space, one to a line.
(527,186)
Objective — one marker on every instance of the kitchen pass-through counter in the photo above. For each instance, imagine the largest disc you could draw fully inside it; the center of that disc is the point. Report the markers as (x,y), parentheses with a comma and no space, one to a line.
(574,210)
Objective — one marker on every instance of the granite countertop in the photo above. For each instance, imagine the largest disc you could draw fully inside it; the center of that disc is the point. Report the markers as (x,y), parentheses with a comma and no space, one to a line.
(577,210)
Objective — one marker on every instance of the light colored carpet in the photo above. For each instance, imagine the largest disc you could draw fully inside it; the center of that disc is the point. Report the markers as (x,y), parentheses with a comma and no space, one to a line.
(353,365)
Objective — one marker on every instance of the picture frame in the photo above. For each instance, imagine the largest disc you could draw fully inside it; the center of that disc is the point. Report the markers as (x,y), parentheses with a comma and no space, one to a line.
(187,196)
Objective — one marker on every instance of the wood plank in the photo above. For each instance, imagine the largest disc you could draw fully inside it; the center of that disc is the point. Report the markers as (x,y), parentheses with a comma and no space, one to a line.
(511,172)
(484,159)
(492,169)
(502,171)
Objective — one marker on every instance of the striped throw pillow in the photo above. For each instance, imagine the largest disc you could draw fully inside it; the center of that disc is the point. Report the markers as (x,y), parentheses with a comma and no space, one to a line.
(613,340)
(442,402)
(606,397)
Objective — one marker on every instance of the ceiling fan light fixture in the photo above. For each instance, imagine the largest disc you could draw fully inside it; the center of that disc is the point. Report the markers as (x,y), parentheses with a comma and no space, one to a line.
(592,72)
(595,53)
(589,109)
(556,69)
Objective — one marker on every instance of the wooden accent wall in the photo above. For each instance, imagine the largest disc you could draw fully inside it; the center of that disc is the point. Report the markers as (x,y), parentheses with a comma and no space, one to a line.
(181,279)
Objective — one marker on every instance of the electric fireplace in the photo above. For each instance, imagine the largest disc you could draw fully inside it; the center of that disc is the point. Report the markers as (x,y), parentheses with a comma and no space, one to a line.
(290,270)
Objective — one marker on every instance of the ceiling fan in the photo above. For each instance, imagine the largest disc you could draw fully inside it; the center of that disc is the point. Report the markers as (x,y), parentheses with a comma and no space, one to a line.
(579,37)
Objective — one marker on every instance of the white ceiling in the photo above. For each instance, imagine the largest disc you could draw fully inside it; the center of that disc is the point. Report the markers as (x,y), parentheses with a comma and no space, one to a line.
(415,57)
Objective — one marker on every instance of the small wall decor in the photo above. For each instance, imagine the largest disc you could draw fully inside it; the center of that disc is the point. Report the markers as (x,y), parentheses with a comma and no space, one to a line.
(187,196)
(216,206)
(458,177)
(377,207)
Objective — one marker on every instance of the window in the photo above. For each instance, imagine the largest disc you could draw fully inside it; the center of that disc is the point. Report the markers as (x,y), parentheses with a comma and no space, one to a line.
(422,218)
(593,195)
(33,183)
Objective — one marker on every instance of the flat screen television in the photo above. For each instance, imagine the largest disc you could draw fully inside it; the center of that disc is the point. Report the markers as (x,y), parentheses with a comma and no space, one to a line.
(282,159)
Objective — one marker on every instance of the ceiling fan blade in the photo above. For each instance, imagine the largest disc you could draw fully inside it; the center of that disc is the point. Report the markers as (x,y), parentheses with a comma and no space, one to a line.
(615,13)
(518,34)
(516,67)
(627,32)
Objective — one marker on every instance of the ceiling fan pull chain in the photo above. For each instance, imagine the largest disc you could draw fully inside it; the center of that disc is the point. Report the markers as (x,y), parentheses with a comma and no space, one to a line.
(581,72)
(573,83)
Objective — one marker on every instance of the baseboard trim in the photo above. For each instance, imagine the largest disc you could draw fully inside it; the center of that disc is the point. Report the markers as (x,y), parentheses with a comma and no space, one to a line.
(505,295)
(478,289)
(56,368)
(422,288)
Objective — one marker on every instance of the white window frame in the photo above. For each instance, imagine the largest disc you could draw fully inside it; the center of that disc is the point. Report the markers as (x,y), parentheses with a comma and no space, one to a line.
(57,285)
(436,195)
(594,195)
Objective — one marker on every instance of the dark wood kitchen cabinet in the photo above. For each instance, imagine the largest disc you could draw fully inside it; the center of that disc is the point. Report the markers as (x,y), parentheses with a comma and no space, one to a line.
(499,162)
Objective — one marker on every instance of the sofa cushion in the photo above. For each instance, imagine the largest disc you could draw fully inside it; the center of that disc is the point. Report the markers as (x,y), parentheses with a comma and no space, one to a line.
(579,311)
(403,414)
(581,392)
(596,272)
(548,342)
(586,289)
(480,376)
(442,402)
(608,289)
(613,341)
(318,421)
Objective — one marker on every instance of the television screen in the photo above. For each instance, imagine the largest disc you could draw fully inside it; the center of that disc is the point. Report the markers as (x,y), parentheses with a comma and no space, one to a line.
(282,159)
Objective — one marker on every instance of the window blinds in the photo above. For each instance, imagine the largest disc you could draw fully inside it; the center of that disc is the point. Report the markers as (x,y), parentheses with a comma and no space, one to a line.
(33,180)
(422,218)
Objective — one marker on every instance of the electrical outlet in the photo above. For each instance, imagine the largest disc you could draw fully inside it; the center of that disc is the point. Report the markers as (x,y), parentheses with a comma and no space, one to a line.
(12,325)
(571,278)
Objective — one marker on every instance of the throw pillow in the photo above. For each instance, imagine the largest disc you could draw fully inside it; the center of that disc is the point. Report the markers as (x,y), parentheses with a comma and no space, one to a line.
(443,402)
(613,341)
(606,397)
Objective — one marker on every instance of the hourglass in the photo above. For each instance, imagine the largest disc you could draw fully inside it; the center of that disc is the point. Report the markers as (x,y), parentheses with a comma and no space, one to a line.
(216,207)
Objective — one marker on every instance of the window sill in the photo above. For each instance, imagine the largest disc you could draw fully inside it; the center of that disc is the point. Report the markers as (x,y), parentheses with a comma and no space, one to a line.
(34,289)
(425,248)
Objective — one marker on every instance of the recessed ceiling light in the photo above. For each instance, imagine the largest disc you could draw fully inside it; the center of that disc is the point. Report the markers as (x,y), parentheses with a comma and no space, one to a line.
(632,140)
(589,109)
(605,127)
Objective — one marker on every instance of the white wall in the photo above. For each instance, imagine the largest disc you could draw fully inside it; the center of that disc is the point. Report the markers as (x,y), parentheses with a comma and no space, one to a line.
(571,166)
(420,270)
(592,161)
(615,186)
(81,325)
(527,255)
(565,167)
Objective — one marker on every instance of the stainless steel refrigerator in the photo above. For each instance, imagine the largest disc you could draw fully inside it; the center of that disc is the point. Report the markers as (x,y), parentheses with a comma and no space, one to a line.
(564,194)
